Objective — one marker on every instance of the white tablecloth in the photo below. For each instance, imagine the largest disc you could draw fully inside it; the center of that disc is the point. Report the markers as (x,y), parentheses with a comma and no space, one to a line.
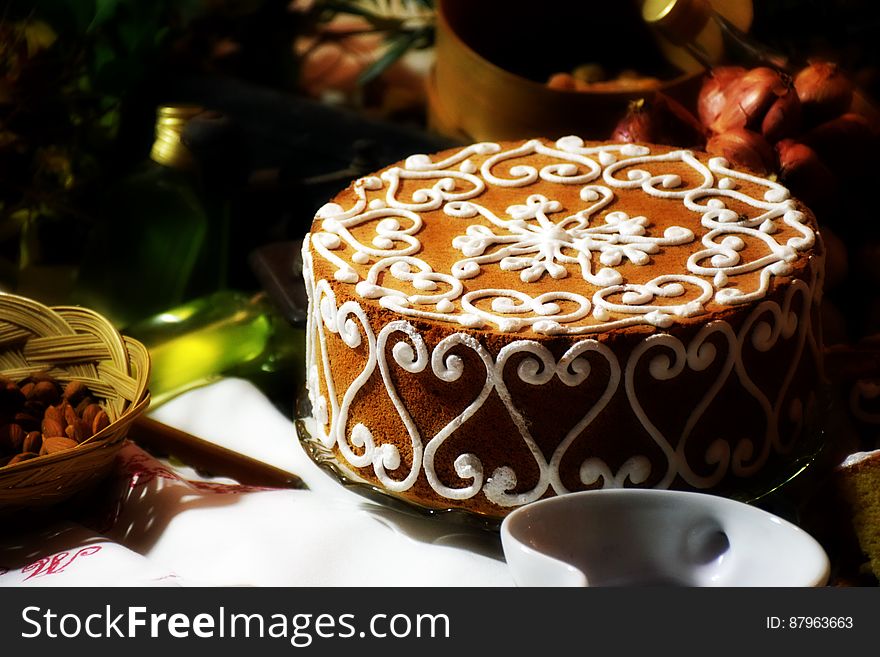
(170,533)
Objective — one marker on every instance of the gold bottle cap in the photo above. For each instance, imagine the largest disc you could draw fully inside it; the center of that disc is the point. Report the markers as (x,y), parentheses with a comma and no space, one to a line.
(680,21)
(168,147)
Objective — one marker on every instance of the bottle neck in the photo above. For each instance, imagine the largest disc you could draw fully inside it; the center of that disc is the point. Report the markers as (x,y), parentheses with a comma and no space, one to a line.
(168,148)
(680,21)
(704,32)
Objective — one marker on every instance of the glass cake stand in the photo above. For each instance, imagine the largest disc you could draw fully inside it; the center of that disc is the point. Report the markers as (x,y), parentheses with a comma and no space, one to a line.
(783,494)
(326,461)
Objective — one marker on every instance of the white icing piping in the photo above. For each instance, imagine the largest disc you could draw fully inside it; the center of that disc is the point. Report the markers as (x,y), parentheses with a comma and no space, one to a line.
(388,456)
(570,360)
(764,338)
(667,182)
(423,279)
(425,200)
(537,248)
(422,162)
(533,245)
(564,172)
(573,369)
(449,368)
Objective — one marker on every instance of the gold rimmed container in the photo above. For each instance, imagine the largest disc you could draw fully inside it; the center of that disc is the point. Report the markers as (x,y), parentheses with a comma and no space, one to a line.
(493,60)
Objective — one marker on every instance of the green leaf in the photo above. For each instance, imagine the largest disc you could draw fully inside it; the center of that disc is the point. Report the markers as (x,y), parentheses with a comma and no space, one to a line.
(67,17)
(104,11)
(397,47)
(378,21)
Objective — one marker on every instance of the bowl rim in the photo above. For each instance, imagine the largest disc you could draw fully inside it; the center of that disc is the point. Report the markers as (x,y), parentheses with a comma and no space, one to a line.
(445,28)
(515,526)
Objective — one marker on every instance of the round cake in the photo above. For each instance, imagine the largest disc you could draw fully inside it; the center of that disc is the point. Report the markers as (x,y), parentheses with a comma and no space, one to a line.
(502,322)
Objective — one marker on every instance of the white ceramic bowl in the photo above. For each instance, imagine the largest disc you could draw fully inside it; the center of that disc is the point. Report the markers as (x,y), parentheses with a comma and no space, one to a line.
(640,537)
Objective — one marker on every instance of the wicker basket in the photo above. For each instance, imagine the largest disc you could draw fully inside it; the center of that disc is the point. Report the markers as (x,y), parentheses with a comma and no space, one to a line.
(70,343)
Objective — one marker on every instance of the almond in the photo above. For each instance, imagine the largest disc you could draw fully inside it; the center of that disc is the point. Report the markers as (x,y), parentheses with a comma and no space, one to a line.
(88,415)
(83,405)
(11,438)
(56,444)
(69,414)
(27,421)
(77,431)
(101,422)
(32,442)
(54,413)
(75,391)
(11,400)
(27,388)
(82,431)
(51,428)
(24,456)
(46,392)
(33,407)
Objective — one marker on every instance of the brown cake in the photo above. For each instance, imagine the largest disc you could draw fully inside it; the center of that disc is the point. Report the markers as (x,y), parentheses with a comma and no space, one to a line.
(503,322)
(858,480)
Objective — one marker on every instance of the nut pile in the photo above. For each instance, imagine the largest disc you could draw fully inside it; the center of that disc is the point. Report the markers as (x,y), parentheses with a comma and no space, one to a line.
(40,416)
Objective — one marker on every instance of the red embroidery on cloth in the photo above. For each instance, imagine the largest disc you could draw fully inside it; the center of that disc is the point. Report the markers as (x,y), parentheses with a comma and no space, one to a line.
(57,563)
(142,468)
(134,468)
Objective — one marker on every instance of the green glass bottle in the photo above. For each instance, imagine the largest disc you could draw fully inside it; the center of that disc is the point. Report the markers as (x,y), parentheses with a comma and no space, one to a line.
(151,232)
(226,333)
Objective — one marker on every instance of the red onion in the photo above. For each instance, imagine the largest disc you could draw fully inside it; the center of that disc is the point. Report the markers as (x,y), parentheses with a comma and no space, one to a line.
(842,141)
(824,91)
(783,119)
(808,178)
(678,125)
(836,259)
(660,120)
(712,97)
(636,126)
(743,101)
(743,148)
(865,107)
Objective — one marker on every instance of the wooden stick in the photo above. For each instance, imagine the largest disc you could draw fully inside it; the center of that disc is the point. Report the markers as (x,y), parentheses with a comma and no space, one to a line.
(206,457)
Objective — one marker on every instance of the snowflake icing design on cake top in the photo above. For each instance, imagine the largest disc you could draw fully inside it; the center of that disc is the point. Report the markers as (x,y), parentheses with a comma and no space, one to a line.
(537,241)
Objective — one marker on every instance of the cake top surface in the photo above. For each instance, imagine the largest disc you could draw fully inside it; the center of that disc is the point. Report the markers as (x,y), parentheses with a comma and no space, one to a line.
(564,237)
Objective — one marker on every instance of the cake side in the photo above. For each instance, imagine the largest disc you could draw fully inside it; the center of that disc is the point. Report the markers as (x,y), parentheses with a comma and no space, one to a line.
(672,346)
(858,483)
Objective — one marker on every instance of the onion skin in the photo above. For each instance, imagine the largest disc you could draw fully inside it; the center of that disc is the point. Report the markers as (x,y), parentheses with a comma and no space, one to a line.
(743,148)
(712,97)
(843,142)
(824,91)
(744,100)
(636,126)
(660,120)
(836,258)
(806,175)
(783,119)
(678,126)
